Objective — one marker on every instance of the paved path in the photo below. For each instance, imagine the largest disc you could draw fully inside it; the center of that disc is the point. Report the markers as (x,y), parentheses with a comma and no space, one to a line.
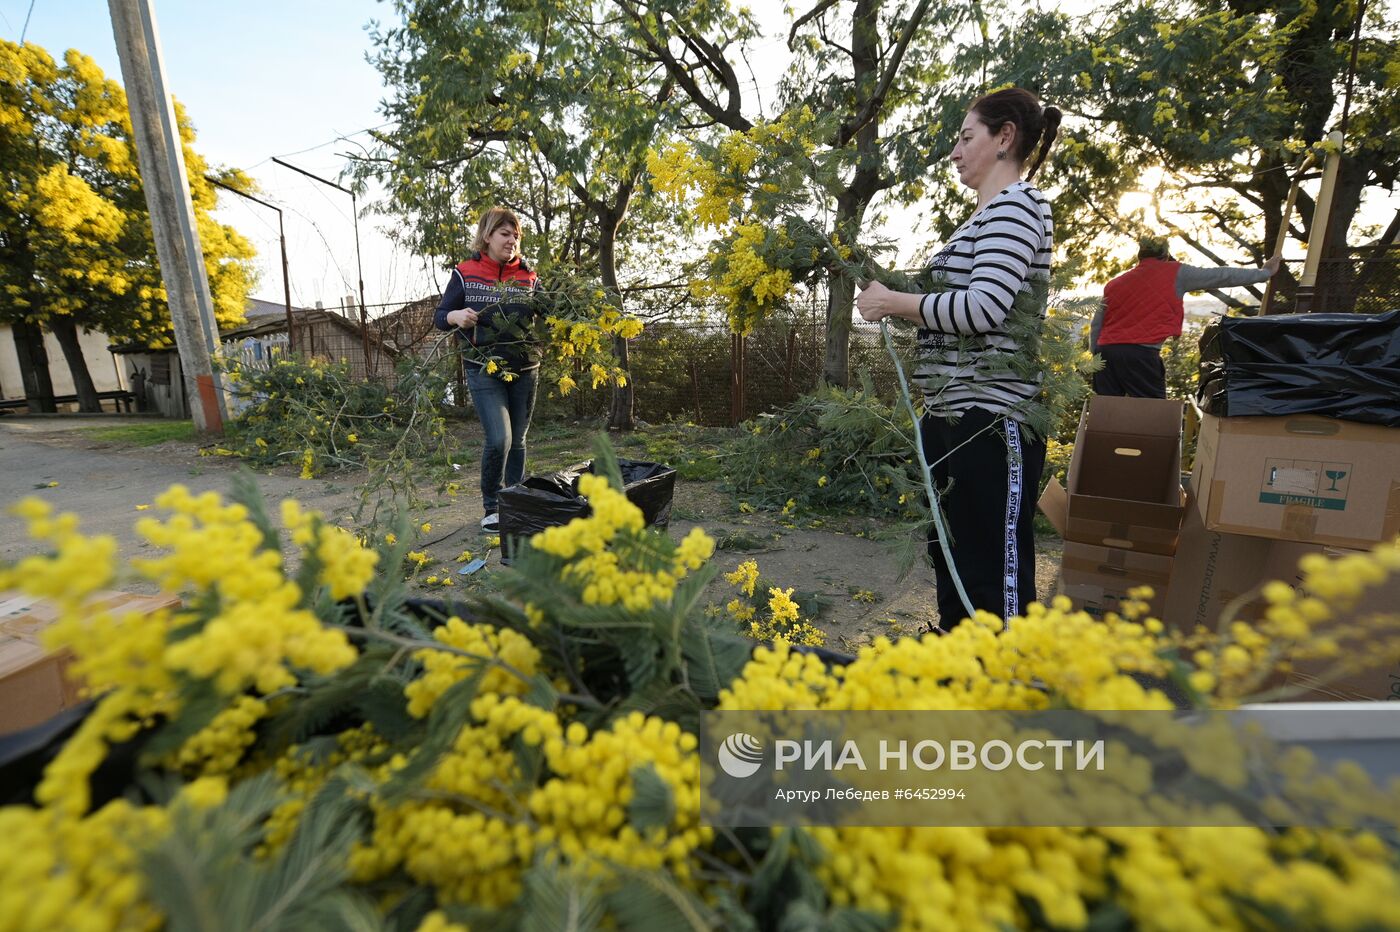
(104,482)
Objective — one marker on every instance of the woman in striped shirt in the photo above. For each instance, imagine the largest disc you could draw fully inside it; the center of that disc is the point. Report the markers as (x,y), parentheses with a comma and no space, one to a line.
(977,368)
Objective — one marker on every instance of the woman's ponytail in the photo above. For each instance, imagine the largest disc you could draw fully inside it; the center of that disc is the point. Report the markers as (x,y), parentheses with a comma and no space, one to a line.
(1048,136)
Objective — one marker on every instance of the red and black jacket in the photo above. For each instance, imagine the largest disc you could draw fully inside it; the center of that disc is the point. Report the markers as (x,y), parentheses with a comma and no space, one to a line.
(501,295)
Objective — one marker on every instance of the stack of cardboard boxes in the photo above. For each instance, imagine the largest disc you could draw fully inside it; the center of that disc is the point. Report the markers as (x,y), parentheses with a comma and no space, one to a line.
(36,683)
(1265,492)
(1121,514)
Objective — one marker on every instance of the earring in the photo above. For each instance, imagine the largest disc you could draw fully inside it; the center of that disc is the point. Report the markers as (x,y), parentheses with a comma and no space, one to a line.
(1001,155)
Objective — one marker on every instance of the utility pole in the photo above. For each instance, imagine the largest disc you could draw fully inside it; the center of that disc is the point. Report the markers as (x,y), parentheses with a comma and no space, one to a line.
(359,269)
(282,240)
(162,163)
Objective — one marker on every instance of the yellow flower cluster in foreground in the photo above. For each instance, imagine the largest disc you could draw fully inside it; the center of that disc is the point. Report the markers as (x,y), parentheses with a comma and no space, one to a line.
(1167,879)
(534,771)
(608,572)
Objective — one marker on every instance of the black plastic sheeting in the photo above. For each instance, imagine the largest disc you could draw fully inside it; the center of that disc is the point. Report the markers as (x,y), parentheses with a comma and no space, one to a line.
(550,501)
(1345,366)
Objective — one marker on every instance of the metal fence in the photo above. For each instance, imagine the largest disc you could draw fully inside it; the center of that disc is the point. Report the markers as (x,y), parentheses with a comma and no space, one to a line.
(1365,281)
(689,367)
(704,374)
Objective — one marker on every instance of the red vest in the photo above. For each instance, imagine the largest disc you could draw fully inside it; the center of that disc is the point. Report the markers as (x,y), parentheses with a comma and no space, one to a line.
(1141,305)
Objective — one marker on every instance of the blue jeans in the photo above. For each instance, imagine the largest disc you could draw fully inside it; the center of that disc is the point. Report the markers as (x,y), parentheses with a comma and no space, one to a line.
(504,409)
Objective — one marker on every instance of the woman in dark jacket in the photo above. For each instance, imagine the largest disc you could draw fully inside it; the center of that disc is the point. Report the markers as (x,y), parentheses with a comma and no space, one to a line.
(488,303)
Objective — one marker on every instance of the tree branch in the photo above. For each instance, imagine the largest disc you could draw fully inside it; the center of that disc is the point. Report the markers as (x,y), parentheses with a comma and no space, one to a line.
(806,18)
(877,99)
(726,115)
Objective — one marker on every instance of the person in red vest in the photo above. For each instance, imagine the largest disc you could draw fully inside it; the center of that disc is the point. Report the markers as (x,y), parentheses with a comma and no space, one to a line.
(489,303)
(1142,307)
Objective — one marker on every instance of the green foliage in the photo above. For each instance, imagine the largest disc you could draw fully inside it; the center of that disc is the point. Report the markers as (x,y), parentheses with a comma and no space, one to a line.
(1181,358)
(838,450)
(313,414)
(144,435)
(556,902)
(1207,109)
(650,901)
(543,107)
(692,451)
(206,877)
(653,804)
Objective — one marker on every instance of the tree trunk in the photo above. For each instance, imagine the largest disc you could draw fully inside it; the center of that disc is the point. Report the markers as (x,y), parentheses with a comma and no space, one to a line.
(850,214)
(620,413)
(34,367)
(66,332)
(865,184)
(840,298)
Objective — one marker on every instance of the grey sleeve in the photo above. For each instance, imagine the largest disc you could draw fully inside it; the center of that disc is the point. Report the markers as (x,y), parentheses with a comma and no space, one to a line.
(1191,278)
(1095,326)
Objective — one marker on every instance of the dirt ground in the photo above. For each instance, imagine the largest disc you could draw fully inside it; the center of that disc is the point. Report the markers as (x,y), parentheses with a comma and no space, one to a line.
(850,577)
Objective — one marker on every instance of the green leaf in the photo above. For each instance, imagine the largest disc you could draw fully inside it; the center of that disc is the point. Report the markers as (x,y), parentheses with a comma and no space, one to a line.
(713,658)
(244,490)
(204,876)
(202,702)
(653,805)
(650,901)
(541,693)
(362,691)
(554,902)
(774,866)
(672,701)
(605,461)
(640,659)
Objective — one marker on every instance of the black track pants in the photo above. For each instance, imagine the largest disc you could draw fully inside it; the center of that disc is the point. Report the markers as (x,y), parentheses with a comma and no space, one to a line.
(986,468)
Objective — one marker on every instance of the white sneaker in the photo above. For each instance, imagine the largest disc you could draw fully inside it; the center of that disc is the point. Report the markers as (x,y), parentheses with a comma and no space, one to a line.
(491,522)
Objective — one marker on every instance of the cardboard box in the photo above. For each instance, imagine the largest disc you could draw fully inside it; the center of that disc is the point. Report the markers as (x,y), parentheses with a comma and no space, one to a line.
(1212,571)
(1124,480)
(1300,478)
(1378,676)
(35,683)
(1095,578)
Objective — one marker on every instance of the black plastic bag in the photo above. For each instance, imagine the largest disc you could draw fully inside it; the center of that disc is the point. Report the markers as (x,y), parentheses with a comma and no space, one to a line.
(550,501)
(1345,366)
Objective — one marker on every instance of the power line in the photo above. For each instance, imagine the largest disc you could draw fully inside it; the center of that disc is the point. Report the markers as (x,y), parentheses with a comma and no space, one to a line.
(344,137)
(26,22)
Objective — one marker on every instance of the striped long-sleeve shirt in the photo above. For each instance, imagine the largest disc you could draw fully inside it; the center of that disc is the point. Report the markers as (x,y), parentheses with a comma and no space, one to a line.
(965,341)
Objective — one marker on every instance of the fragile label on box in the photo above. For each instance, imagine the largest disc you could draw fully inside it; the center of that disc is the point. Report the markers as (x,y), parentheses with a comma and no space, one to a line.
(1305,482)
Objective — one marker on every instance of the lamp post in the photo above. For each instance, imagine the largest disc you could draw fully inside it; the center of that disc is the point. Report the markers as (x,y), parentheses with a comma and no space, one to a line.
(282,239)
(359,270)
